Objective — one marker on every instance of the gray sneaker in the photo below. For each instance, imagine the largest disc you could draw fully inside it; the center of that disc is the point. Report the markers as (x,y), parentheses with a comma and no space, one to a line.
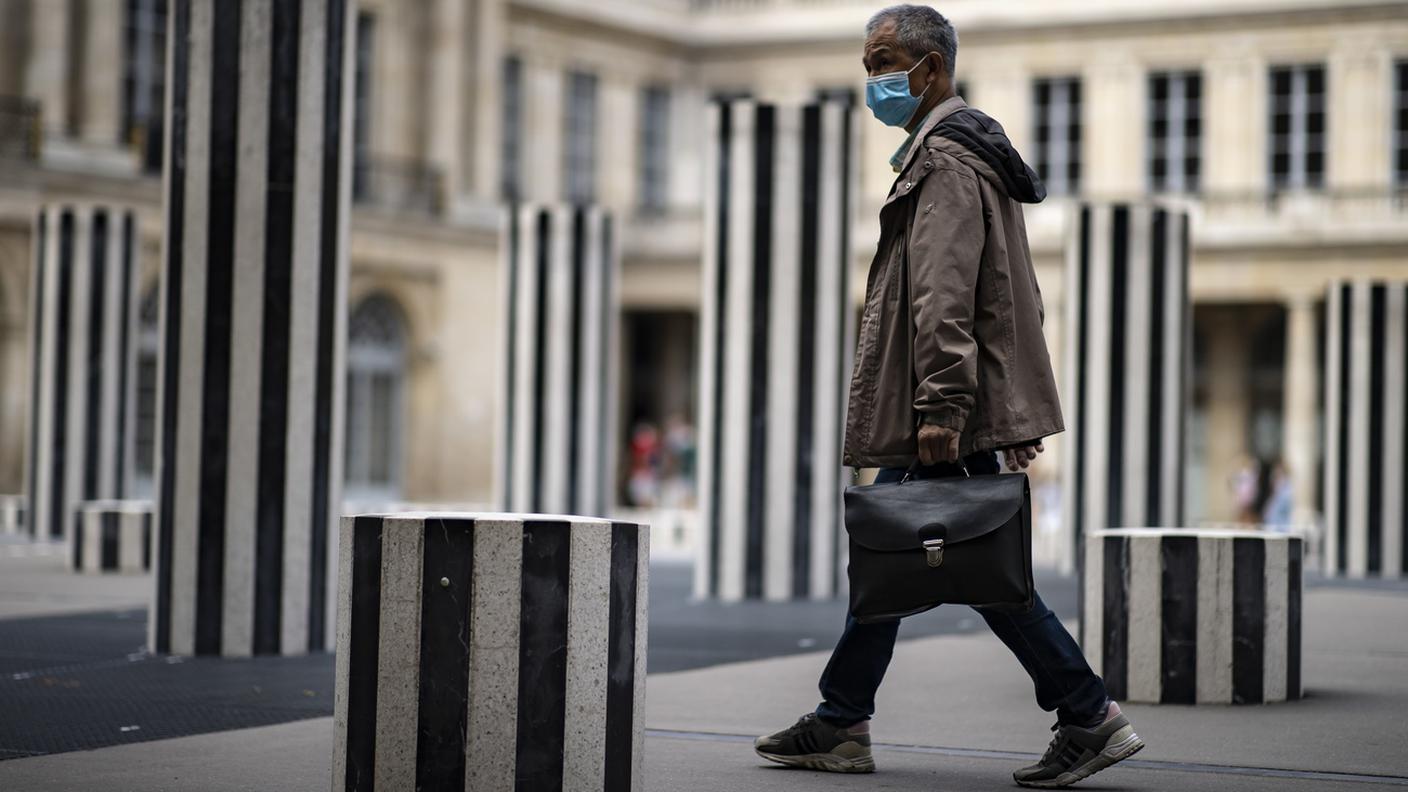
(817,745)
(1077,752)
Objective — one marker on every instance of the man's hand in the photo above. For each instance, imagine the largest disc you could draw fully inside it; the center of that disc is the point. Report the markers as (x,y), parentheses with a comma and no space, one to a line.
(1021,456)
(937,444)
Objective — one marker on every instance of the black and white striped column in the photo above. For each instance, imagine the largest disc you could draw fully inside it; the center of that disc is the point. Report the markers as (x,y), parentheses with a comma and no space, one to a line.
(490,651)
(1180,616)
(13,514)
(82,327)
(253,326)
(1126,360)
(558,383)
(112,536)
(776,341)
(1366,429)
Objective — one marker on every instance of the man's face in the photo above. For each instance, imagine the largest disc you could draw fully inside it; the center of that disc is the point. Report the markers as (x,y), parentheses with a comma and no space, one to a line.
(883,54)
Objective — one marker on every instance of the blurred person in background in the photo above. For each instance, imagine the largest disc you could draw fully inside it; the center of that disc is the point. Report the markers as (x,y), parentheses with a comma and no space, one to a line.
(952,304)
(677,474)
(1246,491)
(1280,501)
(643,479)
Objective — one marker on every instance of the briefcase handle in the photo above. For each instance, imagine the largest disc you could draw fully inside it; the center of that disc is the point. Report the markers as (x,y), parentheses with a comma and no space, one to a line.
(909,472)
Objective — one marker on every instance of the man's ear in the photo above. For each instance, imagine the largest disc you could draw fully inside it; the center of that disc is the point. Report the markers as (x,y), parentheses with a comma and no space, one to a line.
(936,66)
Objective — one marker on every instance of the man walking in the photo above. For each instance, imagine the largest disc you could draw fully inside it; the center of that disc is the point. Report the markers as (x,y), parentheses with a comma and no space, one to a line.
(951,366)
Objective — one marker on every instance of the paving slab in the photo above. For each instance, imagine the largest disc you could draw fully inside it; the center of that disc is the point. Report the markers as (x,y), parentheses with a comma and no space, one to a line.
(956,712)
(35,581)
(968,692)
(296,756)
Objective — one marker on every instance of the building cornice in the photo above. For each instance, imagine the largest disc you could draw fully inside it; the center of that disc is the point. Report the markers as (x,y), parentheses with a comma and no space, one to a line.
(745,24)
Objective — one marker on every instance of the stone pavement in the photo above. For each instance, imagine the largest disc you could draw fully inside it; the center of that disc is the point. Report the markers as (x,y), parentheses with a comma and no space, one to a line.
(955,714)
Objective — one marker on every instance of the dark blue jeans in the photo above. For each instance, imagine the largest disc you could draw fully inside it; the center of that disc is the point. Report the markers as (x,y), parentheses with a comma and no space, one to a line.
(1064,681)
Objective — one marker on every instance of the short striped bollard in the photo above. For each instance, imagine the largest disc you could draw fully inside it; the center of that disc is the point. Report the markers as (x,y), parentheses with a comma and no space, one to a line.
(112,536)
(1184,616)
(490,651)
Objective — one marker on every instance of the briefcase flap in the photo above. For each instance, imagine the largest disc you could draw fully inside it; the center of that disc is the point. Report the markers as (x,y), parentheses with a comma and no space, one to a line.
(897,517)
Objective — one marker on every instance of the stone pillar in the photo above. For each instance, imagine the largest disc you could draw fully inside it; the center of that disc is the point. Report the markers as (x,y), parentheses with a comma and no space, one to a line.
(1126,367)
(544,96)
(100,114)
(1115,125)
(776,341)
(485,27)
(444,74)
(1300,407)
(1234,113)
(619,99)
(1366,429)
(557,434)
(1228,412)
(1185,616)
(47,78)
(490,651)
(253,325)
(83,323)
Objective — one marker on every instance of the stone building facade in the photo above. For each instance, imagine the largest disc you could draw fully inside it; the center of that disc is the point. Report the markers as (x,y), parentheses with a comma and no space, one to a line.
(1282,124)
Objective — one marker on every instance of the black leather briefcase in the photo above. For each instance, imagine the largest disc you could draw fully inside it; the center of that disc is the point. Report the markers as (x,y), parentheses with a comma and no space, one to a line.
(919,543)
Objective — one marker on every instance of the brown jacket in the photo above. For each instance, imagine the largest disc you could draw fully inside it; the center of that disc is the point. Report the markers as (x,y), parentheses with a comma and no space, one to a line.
(951,332)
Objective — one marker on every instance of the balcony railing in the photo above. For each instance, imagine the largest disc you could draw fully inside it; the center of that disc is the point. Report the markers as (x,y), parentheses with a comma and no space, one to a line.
(398,185)
(20,133)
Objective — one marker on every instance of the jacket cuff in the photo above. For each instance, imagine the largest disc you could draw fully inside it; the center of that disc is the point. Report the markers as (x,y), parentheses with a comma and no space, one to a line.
(949,417)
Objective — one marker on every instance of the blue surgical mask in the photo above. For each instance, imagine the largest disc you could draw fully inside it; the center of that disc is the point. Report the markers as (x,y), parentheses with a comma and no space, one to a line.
(888,97)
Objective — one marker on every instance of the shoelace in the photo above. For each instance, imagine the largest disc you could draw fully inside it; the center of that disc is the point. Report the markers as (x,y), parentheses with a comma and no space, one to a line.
(1058,744)
(802,724)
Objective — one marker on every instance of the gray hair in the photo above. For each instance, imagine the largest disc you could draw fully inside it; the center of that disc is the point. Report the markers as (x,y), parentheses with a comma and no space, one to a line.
(921,30)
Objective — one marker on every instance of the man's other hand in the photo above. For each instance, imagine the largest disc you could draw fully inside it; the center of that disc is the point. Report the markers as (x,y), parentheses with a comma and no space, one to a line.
(1021,456)
(937,444)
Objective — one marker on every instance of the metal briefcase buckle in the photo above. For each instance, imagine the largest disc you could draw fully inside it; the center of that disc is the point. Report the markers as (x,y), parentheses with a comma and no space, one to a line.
(934,550)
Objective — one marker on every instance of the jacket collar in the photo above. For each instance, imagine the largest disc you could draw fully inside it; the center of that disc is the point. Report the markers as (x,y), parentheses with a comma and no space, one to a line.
(939,113)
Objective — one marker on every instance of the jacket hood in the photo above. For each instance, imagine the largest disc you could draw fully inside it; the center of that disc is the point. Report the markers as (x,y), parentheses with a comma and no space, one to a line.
(981,136)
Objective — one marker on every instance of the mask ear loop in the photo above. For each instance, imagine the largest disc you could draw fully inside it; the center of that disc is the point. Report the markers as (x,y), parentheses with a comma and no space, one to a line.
(921,96)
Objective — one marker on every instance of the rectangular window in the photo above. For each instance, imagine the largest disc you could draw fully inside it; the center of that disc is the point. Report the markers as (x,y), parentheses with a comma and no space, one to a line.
(654,148)
(1172,156)
(361,106)
(511,143)
(579,139)
(144,80)
(1400,124)
(1057,133)
(1297,129)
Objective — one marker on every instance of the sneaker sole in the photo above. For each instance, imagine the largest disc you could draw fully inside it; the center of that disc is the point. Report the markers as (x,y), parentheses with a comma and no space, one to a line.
(1116,751)
(828,763)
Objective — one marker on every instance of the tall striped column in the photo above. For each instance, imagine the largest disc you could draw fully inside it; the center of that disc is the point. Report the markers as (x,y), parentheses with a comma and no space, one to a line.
(1127,351)
(558,384)
(83,317)
(777,337)
(1366,429)
(253,326)
(490,651)
(1184,616)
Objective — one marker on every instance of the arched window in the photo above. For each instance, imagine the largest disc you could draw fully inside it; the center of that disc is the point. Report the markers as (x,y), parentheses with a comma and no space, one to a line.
(148,348)
(376,365)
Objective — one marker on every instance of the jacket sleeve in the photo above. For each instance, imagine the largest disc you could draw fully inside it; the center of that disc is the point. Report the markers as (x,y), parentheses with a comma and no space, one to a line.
(945,254)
